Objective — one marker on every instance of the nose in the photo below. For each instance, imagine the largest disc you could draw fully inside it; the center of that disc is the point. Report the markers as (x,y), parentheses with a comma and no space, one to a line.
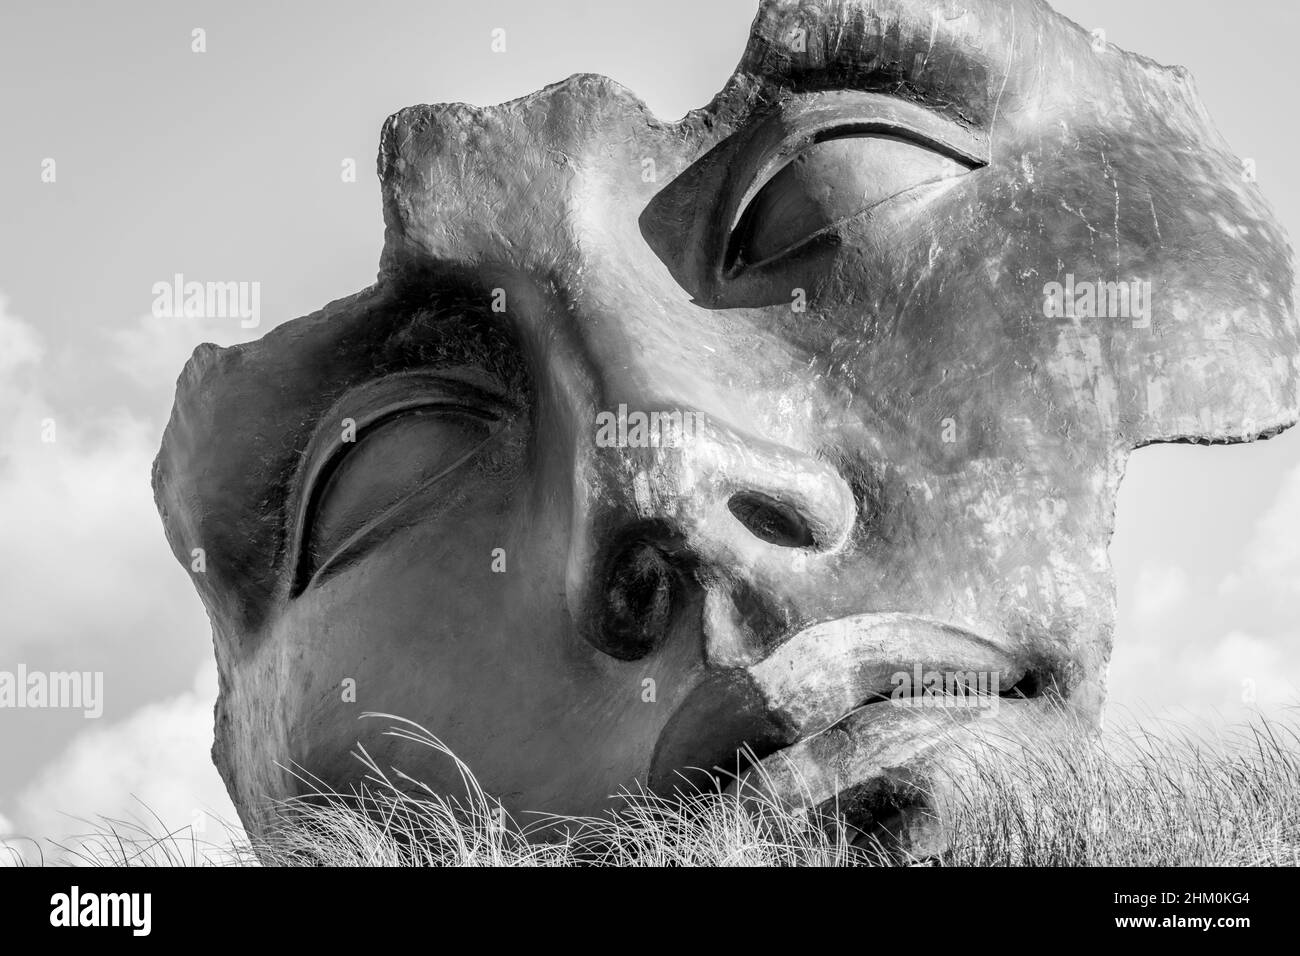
(705,533)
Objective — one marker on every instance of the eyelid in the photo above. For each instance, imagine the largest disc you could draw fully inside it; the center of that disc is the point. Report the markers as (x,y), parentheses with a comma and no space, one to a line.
(844,175)
(304,577)
(370,405)
(774,166)
(777,141)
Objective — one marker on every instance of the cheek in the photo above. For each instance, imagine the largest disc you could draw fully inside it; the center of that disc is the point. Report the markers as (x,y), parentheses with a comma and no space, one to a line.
(461,625)
(444,616)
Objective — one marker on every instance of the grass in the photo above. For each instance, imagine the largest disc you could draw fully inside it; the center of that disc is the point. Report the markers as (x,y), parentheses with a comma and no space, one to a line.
(1172,795)
(1179,796)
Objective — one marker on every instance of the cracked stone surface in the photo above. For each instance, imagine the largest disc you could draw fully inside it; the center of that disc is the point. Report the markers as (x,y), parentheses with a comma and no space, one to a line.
(924,274)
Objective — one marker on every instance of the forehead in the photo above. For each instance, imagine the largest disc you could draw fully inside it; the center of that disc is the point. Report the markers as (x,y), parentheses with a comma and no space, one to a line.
(1087,155)
(599,223)
(1092,157)
(462,181)
(970,62)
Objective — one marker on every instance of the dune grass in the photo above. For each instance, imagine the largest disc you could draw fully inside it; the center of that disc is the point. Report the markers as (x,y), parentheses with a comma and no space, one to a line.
(1143,796)
(1173,794)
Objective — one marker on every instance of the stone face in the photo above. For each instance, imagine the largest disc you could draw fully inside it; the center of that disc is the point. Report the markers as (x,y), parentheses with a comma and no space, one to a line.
(923,274)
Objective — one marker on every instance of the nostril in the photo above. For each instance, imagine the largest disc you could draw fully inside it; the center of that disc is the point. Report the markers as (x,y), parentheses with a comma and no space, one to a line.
(771,520)
(641,592)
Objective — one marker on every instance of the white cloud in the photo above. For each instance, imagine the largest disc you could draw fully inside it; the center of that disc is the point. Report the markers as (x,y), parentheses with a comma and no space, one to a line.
(1159,592)
(81,533)
(82,536)
(153,763)
(1171,653)
(153,351)
(1206,628)
(21,351)
(1184,673)
(19,344)
(1264,671)
(1270,568)
(87,582)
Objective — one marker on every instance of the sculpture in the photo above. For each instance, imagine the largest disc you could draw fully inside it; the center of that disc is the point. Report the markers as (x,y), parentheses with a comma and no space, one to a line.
(918,279)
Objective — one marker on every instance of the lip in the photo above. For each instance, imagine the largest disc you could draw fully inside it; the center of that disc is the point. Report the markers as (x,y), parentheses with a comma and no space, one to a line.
(880,777)
(821,724)
(827,670)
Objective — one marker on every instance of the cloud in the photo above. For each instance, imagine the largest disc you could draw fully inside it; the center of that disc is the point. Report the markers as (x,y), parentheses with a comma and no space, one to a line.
(82,536)
(153,763)
(79,534)
(87,581)
(151,353)
(1203,645)
(1270,568)
(1187,673)
(1264,669)
(1160,591)
(21,352)
(19,344)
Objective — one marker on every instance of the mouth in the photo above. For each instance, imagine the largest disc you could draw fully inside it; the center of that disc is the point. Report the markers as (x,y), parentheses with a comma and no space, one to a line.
(853,720)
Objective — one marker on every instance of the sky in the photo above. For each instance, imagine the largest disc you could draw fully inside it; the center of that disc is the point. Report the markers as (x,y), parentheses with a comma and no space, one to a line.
(228,163)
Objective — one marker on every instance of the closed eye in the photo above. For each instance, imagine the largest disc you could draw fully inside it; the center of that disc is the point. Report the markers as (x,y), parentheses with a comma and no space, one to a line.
(837,177)
(362,491)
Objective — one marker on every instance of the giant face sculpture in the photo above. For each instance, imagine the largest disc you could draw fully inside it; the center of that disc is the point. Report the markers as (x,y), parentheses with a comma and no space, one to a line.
(900,439)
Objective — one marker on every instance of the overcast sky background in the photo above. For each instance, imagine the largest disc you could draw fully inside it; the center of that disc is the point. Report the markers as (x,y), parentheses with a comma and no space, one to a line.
(226,165)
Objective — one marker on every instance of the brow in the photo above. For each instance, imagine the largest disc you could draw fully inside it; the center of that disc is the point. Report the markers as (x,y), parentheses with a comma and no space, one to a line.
(920,59)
